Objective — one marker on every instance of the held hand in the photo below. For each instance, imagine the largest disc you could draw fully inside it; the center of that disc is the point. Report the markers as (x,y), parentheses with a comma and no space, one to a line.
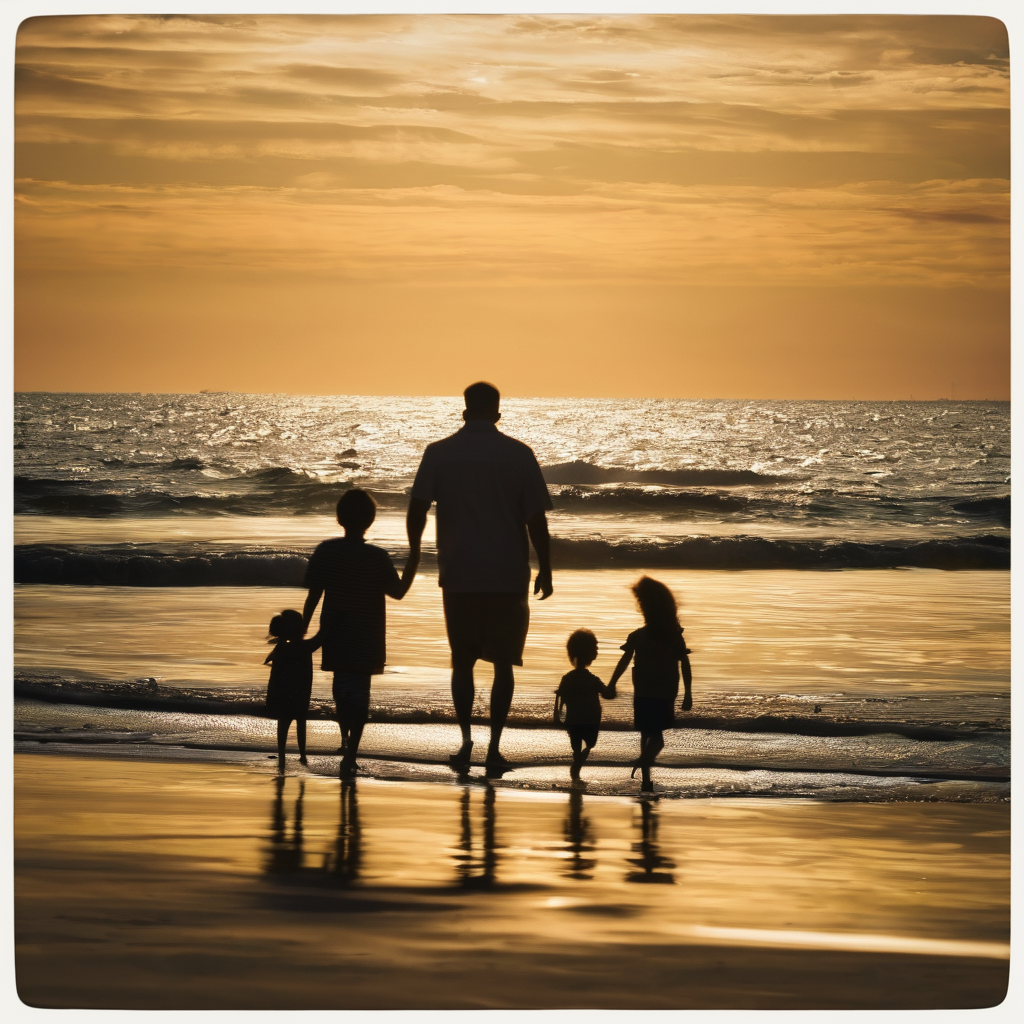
(409,574)
(543,585)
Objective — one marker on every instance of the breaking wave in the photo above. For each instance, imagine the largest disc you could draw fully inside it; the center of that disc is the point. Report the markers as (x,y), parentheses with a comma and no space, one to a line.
(198,565)
(963,716)
(264,492)
(579,472)
(283,491)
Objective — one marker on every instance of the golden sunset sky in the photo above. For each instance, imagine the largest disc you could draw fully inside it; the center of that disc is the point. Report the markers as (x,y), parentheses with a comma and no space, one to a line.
(678,206)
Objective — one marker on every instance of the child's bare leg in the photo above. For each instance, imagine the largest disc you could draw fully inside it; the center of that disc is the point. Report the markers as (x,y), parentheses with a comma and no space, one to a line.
(300,735)
(655,747)
(576,743)
(343,725)
(283,725)
(337,690)
(652,745)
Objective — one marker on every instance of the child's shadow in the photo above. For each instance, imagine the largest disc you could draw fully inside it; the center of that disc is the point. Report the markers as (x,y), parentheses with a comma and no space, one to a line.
(650,859)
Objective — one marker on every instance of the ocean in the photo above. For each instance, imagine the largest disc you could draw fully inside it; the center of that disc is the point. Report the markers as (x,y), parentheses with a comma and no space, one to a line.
(841,570)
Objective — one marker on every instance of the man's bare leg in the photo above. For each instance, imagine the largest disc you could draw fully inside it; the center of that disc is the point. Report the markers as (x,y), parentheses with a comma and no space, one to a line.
(463,694)
(501,700)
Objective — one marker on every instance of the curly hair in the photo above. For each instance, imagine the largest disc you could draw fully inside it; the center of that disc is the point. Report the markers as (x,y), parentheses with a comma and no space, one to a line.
(658,607)
(582,647)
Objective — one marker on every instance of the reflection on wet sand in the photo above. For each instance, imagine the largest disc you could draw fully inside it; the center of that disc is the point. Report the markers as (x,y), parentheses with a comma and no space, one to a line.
(344,863)
(220,887)
(476,851)
(578,839)
(650,859)
(284,854)
(473,871)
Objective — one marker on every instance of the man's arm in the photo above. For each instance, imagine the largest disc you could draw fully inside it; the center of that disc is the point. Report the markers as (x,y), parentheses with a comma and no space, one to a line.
(537,527)
(312,600)
(415,523)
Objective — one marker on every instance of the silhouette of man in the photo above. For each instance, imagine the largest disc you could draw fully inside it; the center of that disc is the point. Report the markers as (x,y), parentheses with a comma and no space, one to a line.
(490,495)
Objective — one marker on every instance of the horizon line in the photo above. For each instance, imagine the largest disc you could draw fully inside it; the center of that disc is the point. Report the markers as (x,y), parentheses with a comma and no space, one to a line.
(507,395)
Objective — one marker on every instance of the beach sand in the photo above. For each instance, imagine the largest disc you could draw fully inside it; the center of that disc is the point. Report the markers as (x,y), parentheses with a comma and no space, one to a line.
(177,885)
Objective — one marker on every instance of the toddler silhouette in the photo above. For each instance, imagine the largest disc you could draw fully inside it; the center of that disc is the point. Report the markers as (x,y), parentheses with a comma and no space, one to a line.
(580,693)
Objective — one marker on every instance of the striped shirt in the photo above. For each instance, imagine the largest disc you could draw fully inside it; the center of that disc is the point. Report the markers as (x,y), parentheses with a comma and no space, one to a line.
(354,577)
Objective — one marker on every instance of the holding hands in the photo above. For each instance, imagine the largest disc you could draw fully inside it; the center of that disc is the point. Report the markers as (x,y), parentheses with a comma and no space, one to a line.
(412,563)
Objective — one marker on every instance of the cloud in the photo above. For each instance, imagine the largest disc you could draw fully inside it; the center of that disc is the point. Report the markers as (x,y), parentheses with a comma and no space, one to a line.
(659,234)
(362,80)
(505,148)
(955,216)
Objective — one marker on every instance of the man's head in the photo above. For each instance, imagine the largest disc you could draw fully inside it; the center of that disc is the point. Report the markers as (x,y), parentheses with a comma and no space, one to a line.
(356,511)
(482,402)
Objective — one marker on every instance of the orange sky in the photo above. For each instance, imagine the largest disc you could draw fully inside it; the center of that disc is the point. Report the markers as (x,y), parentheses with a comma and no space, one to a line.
(774,207)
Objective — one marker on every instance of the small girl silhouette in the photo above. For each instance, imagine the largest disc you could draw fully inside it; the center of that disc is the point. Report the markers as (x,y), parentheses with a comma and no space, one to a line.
(291,678)
(660,651)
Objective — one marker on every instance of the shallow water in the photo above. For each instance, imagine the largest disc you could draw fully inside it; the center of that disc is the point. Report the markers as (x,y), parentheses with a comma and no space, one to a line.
(136,511)
(881,767)
(771,632)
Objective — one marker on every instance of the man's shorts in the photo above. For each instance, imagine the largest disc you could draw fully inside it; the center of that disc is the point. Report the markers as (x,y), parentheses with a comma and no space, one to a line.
(491,627)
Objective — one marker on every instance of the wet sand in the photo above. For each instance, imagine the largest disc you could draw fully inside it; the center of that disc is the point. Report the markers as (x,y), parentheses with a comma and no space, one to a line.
(160,885)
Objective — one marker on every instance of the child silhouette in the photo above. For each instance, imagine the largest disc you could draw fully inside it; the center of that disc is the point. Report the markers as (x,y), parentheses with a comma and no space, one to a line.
(579,693)
(291,679)
(353,577)
(660,652)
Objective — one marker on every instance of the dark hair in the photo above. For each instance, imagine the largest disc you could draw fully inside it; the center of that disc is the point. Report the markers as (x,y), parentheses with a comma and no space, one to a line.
(658,606)
(482,398)
(286,626)
(582,647)
(356,510)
